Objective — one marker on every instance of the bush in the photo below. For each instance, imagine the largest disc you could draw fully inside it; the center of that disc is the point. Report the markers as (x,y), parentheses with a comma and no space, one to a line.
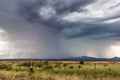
(71,67)
(39,65)
(105,65)
(5,66)
(25,64)
(48,67)
(81,62)
(57,65)
(79,66)
(45,62)
(64,65)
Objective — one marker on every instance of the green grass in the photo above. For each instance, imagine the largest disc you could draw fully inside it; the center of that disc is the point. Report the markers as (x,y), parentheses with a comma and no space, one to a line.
(43,70)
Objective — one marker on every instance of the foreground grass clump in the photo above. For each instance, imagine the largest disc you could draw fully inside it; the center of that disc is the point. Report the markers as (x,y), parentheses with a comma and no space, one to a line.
(56,70)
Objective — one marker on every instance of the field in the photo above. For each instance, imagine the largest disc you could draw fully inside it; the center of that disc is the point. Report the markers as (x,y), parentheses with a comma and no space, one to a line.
(59,70)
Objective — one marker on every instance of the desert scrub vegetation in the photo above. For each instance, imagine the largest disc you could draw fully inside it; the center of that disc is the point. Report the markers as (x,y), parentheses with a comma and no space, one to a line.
(59,70)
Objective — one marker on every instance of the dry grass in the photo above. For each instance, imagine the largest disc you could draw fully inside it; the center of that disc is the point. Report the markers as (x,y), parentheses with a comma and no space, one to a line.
(60,70)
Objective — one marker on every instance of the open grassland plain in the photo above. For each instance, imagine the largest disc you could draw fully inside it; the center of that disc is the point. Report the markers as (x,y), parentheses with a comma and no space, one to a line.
(59,70)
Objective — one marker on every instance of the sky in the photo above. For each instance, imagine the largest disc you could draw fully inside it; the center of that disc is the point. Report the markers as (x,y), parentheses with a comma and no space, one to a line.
(59,28)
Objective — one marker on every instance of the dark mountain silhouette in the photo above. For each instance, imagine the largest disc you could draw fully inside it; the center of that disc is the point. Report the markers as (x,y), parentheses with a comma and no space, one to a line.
(87,58)
(115,59)
(82,58)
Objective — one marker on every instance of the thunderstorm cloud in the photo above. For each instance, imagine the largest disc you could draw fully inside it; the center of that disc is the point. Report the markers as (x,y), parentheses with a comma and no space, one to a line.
(60,28)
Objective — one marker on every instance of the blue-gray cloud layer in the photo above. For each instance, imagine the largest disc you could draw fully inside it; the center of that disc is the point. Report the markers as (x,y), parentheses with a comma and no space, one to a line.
(53,24)
(75,18)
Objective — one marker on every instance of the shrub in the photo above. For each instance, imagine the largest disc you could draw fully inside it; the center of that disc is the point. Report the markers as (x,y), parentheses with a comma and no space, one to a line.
(39,65)
(5,66)
(79,66)
(105,65)
(26,64)
(81,62)
(48,67)
(71,67)
(31,69)
(45,62)
(57,65)
(64,65)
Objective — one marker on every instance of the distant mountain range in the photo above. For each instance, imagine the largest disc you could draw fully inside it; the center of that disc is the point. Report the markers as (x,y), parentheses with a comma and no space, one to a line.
(87,58)
(82,58)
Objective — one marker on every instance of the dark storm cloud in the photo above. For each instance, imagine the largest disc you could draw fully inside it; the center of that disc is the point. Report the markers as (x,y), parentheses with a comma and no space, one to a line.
(95,31)
(23,35)
(78,23)
(30,10)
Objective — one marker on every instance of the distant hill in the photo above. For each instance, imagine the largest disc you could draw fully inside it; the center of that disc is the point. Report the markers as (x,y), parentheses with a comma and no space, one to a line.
(82,58)
(87,58)
(115,59)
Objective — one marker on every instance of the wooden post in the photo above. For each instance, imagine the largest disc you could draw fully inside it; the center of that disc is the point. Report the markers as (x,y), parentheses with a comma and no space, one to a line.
(31,62)
(95,69)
